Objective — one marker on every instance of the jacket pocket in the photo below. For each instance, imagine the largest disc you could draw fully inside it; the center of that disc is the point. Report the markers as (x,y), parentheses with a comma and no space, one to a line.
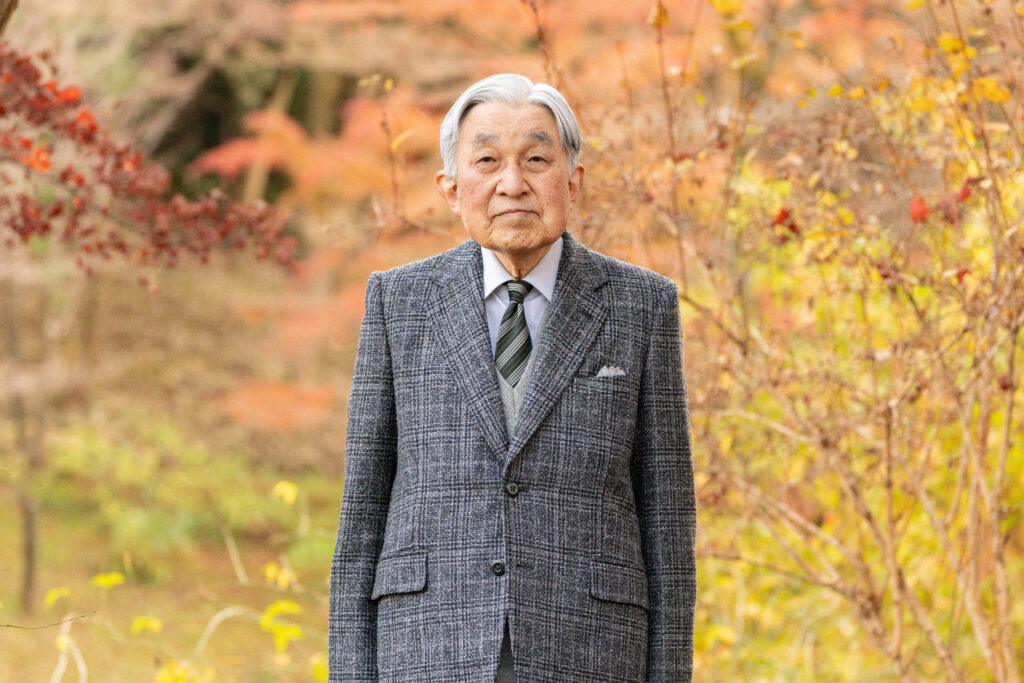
(405,573)
(618,583)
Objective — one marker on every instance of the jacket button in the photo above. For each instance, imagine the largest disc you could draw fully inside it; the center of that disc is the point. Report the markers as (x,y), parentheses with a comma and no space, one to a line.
(511,488)
(498,568)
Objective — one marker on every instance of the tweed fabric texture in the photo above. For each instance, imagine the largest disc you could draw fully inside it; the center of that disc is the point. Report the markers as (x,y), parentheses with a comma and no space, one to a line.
(597,543)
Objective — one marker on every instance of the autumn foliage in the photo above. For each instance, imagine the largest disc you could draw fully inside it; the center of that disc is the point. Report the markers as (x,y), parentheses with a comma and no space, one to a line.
(68,177)
(834,186)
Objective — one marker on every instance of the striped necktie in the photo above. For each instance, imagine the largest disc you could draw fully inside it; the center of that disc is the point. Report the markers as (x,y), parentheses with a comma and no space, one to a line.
(513,347)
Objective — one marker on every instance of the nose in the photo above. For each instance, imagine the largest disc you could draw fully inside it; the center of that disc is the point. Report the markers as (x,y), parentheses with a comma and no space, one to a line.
(511,182)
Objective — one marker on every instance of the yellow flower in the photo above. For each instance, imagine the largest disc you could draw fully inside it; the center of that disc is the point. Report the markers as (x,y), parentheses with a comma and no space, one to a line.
(286,491)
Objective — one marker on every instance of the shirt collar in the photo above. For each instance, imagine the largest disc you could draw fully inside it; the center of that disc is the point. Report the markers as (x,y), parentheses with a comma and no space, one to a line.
(542,277)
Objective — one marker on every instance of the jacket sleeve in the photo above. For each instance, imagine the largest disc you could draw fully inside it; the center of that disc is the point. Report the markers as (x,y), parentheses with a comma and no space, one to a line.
(370,454)
(662,472)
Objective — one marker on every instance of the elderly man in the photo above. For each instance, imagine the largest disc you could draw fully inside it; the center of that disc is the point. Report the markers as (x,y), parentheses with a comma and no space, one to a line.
(518,500)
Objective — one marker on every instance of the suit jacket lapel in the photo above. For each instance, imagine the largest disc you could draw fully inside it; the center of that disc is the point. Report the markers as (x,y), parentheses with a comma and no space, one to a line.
(460,326)
(577,314)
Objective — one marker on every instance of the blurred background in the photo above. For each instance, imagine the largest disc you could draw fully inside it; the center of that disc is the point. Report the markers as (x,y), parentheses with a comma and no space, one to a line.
(836,186)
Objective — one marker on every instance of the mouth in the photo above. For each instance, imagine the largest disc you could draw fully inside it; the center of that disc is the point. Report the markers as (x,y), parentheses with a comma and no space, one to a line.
(514,212)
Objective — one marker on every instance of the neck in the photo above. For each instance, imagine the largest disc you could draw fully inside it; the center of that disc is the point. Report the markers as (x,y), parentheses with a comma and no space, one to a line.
(518,266)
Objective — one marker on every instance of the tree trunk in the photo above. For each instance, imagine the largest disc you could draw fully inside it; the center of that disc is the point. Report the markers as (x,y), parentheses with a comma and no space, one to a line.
(6,10)
(29,445)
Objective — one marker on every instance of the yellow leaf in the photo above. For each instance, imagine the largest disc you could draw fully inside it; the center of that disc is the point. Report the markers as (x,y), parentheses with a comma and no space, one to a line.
(882,85)
(147,623)
(55,594)
(399,139)
(799,43)
(914,4)
(845,215)
(276,608)
(835,91)
(183,672)
(658,18)
(990,89)
(319,668)
(108,580)
(388,84)
(286,491)
(284,634)
(721,632)
(739,25)
(922,104)
(701,99)
(950,43)
(727,6)
(856,93)
(958,64)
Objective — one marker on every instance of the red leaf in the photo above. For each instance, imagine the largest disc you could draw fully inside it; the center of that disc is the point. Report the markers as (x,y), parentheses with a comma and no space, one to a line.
(918,210)
(69,95)
(964,193)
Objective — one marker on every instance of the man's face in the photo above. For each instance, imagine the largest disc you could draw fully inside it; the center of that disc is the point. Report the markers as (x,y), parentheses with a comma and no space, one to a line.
(513,192)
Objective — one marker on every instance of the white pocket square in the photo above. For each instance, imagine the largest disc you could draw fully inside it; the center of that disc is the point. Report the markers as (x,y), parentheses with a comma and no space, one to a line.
(610,371)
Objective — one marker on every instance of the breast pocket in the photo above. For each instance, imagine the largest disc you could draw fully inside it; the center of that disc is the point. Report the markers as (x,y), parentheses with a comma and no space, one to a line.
(604,408)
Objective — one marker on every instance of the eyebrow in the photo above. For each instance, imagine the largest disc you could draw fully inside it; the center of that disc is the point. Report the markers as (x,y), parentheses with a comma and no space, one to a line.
(484,139)
(488,138)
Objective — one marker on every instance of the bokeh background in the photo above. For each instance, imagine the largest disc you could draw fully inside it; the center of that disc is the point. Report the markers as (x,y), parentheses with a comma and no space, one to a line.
(836,186)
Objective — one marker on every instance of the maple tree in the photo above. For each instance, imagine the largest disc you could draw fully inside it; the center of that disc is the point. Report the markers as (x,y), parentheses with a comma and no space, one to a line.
(103,198)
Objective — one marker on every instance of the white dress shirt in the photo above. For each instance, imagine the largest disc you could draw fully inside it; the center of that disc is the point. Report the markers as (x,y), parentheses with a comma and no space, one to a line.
(542,277)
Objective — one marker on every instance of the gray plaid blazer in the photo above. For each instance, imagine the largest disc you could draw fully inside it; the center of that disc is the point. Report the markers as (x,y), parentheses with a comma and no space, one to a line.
(579,526)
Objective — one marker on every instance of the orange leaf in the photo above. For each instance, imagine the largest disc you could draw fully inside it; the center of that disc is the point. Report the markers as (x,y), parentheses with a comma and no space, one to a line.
(69,95)
(39,159)
(918,210)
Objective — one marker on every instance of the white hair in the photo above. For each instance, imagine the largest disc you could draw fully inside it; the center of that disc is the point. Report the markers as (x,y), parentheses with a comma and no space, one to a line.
(513,90)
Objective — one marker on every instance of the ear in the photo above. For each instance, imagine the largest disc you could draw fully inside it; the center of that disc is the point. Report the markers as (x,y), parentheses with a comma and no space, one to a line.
(448,188)
(575,184)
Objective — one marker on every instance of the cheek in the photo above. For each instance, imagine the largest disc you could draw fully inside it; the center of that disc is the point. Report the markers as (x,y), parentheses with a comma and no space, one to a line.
(473,191)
